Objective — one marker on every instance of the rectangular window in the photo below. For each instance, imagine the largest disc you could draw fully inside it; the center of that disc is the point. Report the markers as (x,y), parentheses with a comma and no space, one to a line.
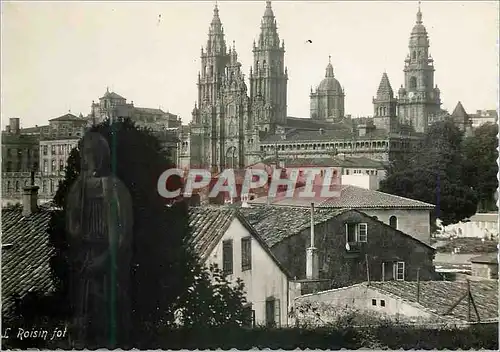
(399,271)
(45,166)
(53,167)
(61,165)
(356,232)
(382,303)
(362,232)
(246,253)
(53,149)
(374,302)
(227,257)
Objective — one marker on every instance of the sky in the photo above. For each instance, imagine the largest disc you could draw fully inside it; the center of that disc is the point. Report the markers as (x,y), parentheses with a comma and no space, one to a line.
(60,56)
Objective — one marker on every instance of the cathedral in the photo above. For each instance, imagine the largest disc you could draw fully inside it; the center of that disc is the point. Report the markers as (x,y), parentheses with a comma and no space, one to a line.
(234,124)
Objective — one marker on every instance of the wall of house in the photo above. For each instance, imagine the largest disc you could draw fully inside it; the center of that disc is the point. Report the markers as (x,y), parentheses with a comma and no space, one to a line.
(265,279)
(360,298)
(414,222)
(485,226)
(485,270)
(341,267)
(364,181)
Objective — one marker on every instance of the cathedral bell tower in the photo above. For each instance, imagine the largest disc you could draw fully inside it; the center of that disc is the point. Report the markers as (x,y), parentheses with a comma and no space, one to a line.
(418,99)
(268,76)
(205,132)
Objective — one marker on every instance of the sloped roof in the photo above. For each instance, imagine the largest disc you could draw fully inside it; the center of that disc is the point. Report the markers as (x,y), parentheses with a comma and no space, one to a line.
(210,223)
(459,113)
(275,224)
(350,197)
(489,258)
(67,117)
(112,95)
(207,224)
(149,111)
(384,89)
(25,253)
(439,296)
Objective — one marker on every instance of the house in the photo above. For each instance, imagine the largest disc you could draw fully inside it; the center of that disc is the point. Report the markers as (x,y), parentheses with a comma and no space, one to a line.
(25,250)
(222,236)
(410,216)
(426,302)
(344,247)
(357,171)
(480,225)
(485,266)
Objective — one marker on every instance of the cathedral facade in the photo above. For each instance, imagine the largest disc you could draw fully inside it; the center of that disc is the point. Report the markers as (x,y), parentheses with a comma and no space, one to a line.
(234,125)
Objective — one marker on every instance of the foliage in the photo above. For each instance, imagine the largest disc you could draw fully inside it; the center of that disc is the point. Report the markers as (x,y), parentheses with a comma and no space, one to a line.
(469,245)
(164,267)
(212,301)
(436,175)
(481,166)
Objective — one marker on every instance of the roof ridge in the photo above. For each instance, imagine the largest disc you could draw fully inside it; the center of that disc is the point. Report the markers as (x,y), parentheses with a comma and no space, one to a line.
(393,195)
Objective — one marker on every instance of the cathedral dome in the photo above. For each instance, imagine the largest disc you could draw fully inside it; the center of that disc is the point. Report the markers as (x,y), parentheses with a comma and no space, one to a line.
(330,83)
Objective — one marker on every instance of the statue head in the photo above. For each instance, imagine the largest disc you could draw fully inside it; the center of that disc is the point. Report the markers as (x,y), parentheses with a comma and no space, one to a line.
(95,155)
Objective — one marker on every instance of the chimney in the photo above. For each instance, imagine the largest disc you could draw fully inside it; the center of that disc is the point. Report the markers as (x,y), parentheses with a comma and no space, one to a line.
(30,197)
(312,253)
(14,125)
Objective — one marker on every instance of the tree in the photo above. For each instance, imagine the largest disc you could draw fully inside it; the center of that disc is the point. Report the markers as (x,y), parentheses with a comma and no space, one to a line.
(164,269)
(481,166)
(436,175)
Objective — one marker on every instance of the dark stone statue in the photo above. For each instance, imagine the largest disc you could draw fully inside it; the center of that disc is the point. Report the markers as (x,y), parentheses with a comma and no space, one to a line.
(99,222)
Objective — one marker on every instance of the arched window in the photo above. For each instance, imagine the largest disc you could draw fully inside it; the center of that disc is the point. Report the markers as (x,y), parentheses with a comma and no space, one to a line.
(17,186)
(375,218)
(393,222)
(413,82)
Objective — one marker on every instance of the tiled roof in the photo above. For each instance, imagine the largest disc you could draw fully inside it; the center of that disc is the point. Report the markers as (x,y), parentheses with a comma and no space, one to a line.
(207,224)
(459,111)
(439,296)
(150,111)
(274,224)
(25,253)
(350,197)
(112,95)
(489,258)
(384,89)
(67,117)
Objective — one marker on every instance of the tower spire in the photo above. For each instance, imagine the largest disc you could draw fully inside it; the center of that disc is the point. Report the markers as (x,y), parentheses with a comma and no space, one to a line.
(419,14)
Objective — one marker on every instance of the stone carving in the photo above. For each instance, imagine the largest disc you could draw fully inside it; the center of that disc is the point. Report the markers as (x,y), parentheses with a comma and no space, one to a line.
(99,222)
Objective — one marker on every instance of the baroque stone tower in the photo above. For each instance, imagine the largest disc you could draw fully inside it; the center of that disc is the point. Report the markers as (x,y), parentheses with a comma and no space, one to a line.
(327,102)
(418,99)
(220,117)
(385,106)
(268,76)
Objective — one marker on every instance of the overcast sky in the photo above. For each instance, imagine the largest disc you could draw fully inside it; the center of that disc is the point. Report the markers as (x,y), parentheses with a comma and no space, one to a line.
(59,56)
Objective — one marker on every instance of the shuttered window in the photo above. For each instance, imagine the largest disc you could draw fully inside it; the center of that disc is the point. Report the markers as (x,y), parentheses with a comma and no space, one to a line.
(246,253)
(227,257)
